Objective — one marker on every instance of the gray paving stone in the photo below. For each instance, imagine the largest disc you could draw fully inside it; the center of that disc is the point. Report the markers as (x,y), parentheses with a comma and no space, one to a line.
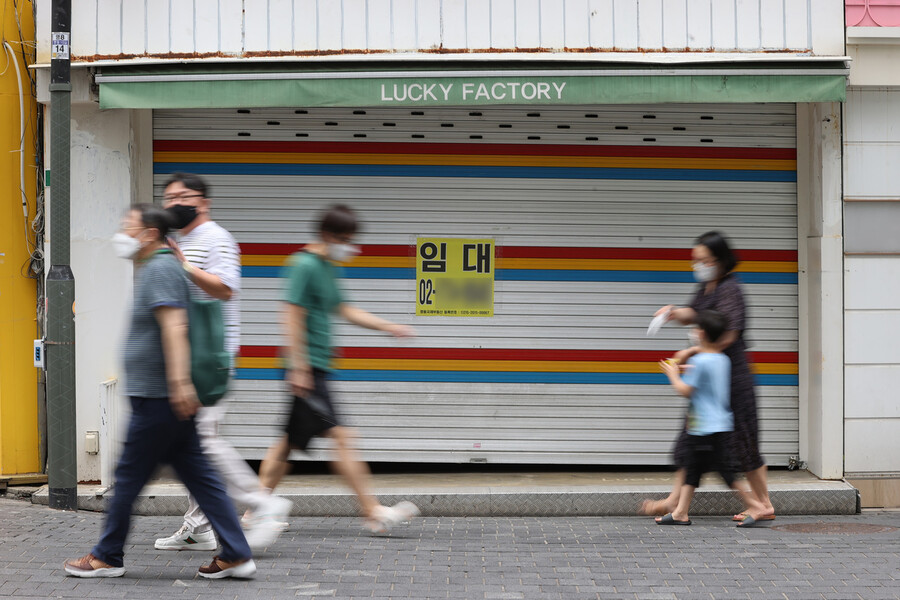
(568,557)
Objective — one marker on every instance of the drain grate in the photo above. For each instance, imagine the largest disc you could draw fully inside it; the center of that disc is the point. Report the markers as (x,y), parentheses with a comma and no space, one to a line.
(834,528)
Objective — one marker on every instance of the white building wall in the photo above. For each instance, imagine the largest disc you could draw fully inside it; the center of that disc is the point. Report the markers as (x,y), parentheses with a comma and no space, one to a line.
(125,29)
(874,54)
(872,280)
(104,171)
(820,277)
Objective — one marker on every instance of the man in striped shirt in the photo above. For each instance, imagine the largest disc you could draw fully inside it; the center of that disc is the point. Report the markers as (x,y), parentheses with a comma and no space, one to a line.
(212,259)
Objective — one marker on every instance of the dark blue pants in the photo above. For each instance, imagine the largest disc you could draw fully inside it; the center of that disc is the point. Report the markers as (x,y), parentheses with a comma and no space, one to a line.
(155,435)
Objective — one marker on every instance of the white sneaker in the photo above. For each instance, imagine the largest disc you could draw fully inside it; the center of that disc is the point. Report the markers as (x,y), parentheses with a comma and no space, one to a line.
(386,518)
(247,520)
(265,527)
(407,510)
(185,539)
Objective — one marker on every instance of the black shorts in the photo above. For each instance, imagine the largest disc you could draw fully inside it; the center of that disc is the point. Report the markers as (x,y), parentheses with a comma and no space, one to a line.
(707,453)
(311,415)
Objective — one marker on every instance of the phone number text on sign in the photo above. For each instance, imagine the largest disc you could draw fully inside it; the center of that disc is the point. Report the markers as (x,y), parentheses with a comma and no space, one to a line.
(454,277)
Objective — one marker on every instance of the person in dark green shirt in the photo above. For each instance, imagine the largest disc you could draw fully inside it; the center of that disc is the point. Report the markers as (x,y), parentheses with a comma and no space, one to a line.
(312,296)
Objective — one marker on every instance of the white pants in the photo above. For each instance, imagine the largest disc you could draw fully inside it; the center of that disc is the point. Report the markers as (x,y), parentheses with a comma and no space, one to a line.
(240,480)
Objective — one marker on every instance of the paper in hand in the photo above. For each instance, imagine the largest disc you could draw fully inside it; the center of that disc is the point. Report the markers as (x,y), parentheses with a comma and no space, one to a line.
(657,322)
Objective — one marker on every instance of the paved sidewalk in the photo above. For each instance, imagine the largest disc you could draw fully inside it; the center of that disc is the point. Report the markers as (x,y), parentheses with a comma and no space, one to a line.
(484,558)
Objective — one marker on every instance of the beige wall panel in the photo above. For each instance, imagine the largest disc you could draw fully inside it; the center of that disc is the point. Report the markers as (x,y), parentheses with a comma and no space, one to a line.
(872,445)
(872,283)
(871,336)
(872,391)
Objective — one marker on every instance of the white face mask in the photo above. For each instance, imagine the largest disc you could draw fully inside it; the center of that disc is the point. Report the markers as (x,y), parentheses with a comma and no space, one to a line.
(126,246)
(704,272)
(694,337)
(342,252)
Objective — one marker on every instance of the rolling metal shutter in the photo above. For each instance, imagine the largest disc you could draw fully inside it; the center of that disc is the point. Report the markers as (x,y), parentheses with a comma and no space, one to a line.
(593,211)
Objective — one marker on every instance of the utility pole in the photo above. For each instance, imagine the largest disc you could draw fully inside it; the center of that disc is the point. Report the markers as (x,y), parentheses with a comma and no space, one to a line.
(61,445)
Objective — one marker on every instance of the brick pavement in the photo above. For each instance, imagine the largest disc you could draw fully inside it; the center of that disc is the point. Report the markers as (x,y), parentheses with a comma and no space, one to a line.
(470,558)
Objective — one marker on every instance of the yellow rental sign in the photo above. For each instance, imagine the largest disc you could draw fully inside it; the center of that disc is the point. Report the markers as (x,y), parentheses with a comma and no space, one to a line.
(454,277)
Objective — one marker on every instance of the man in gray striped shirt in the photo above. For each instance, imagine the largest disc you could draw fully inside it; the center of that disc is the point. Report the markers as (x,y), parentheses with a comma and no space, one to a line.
(212,259)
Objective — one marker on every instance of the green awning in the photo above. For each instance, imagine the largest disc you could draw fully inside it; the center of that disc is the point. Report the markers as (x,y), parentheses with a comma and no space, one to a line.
(274,86)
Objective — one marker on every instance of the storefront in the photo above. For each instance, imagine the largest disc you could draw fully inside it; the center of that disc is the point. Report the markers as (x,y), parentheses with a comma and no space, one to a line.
(567,202)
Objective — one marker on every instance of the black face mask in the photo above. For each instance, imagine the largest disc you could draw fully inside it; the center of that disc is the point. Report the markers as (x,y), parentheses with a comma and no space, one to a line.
(182,215)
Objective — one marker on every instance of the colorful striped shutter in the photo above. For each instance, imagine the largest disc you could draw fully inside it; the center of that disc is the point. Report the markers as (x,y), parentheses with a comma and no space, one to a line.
(593,211)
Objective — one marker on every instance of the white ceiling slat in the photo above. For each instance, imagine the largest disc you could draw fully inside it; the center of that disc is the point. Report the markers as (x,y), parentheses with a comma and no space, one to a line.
(230,26)
(85,19)
(206,30)
(403,25)
(306,25)
(379,30)
(109,21)
(182,25)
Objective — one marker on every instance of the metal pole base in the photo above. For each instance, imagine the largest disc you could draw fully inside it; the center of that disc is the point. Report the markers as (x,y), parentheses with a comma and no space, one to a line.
(64,498)
(62,465)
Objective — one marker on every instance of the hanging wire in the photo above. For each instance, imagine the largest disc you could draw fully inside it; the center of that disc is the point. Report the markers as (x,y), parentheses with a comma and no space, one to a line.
(33,267)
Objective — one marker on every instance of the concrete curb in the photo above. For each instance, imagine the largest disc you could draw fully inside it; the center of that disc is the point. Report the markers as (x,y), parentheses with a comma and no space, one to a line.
(819,498)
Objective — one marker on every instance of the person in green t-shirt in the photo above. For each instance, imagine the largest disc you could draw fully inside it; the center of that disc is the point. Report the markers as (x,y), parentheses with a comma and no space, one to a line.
(312,296)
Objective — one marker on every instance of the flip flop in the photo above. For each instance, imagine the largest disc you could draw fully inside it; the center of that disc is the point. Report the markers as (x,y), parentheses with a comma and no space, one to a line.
(743,515)
(668,519)
(748,522)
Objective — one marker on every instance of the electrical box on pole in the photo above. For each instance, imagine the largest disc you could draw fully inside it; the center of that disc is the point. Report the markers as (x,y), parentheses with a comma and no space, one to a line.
(62,477)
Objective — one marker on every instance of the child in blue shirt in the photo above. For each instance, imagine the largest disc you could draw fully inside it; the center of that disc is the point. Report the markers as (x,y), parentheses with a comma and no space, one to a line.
(707,383)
